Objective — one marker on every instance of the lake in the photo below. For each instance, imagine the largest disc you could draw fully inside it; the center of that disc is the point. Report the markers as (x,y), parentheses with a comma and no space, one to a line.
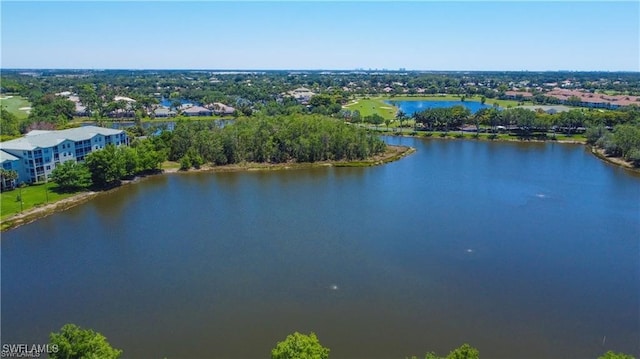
(167,102)
(527,250)
(411,107)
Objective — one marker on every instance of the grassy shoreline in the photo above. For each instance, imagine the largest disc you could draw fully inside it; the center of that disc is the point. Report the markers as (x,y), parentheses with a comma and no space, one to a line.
(41,210)
(393,153)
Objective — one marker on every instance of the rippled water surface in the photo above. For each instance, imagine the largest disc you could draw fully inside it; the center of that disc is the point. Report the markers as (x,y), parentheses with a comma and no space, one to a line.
(521,250)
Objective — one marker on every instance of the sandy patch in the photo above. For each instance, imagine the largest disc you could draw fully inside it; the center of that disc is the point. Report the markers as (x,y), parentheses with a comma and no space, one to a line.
(6,97)
(386,107)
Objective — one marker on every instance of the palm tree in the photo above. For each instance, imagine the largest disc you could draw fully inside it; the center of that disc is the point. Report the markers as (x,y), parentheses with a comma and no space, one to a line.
(478,118)
(8,178)
(401,116)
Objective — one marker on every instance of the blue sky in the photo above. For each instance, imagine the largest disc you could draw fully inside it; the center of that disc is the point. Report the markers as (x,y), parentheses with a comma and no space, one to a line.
(416,35)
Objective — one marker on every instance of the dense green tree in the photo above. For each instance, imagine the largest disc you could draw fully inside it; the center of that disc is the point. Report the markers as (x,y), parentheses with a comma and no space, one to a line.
(185,163)
(594,133)
(74,342)
(465,351)
(8,178)
(130,162)
(275,140)
(525,119)
(479,118)
(627,139)
(149,159)
(613,355)
(9,124)
(300,346)
(571,120)
(106,166)
(71,175)
(374,119)
(52,109)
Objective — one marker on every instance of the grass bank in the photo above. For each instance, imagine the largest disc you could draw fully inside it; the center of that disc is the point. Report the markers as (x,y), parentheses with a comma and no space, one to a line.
(601,154)
(22,205)
(39,201)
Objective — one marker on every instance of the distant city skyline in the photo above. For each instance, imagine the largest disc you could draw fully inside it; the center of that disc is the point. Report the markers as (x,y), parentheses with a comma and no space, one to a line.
(418,35)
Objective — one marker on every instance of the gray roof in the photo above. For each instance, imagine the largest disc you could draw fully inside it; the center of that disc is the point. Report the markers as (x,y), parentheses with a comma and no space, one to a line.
(196,109)
(4,156)
(43,139)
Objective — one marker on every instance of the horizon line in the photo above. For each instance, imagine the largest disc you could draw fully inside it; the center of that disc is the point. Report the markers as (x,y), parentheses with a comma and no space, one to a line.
(293,70)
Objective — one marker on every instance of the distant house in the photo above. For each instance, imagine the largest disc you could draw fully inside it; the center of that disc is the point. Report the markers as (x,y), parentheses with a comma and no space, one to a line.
(548,109)
(221,109)
(197,111)
(515,95)
(302,95)
(36,154)
(593,100)
(163,111)
(81,110)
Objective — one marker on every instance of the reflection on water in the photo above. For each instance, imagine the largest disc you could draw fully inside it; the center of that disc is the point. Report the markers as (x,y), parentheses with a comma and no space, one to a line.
(513,248)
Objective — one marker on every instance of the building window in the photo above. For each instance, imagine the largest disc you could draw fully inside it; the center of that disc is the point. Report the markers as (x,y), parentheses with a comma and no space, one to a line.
(48,167)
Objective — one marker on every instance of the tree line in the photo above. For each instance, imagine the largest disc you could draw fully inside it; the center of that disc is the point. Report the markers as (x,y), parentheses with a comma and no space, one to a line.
(623,141)
(74,342)
(442,119)
(265,92)
(273,139)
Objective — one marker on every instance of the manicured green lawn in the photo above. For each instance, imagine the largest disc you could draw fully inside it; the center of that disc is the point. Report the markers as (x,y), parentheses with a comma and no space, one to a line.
(13,105)
(32,196)
(373,105)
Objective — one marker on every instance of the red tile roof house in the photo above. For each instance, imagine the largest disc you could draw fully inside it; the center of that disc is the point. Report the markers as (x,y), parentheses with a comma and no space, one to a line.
(591,100)
(625,102)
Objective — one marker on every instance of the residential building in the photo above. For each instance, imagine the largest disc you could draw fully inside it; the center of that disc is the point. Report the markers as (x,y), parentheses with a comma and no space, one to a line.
(221,109)
(302,95)
(197,111)
(163,111)
(36,154)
